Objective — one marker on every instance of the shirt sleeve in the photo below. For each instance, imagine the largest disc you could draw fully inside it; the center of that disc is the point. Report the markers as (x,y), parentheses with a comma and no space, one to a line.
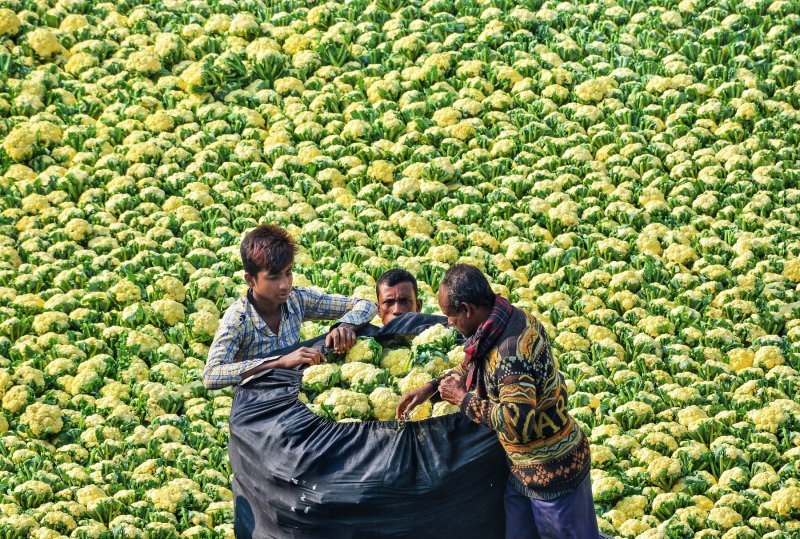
(222,369)
(343,309)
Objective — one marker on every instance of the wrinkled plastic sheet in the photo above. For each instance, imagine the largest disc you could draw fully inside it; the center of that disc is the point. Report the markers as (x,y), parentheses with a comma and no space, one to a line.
(298,475)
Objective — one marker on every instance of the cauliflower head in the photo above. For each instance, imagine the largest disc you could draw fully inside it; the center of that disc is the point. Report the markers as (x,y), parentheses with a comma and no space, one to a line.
(397,362)
(364,351)
(415,379)
(42,419)
(318,378)
(444,408)
(436,336)
(423,411)
(342,403)
(363,377)
(384,403)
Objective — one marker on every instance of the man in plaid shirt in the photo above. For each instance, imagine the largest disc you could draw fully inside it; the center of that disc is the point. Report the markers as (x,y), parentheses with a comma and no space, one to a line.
(269,316)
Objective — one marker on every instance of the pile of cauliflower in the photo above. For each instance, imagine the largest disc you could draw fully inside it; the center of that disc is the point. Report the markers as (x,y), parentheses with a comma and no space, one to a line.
(367,382)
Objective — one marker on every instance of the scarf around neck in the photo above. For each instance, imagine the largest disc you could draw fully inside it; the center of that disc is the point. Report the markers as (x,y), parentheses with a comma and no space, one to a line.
(483,340)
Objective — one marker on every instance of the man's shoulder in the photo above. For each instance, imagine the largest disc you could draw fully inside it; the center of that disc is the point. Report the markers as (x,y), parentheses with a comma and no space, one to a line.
(300,294)
(235,314)
(521,335)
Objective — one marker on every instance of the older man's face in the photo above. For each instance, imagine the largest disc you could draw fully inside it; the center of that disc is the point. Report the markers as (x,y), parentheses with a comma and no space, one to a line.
(396,300)
(462,318)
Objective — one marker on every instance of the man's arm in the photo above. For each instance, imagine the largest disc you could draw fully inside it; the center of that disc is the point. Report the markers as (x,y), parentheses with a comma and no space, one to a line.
(343,309)
(514,417)
(221,370)
(436,396)
(532,401)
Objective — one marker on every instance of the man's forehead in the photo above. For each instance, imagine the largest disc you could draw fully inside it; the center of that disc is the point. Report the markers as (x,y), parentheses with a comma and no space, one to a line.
(288,268)
(404,289)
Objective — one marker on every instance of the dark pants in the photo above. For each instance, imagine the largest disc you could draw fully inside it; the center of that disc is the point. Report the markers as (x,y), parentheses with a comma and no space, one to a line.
(569,517)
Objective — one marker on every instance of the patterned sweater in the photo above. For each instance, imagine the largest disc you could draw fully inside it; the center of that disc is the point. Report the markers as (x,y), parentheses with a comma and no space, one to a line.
(527,407)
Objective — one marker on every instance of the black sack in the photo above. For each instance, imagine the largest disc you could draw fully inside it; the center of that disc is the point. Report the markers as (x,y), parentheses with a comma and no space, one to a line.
(299,475)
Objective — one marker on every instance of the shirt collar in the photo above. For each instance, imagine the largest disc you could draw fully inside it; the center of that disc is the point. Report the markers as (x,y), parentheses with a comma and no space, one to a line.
(256,319)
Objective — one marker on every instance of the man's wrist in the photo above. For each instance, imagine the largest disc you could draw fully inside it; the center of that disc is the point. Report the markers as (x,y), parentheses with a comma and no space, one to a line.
(275,363)
(261,367)
(461,399)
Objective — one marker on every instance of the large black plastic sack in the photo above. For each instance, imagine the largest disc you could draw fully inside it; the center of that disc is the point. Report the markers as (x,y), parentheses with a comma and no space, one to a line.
(299,475)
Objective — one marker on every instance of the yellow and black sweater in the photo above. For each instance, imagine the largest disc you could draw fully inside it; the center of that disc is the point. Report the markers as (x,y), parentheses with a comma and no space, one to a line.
(527,407)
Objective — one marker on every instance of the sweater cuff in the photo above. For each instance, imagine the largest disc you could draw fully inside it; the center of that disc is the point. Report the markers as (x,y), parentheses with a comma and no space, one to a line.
(465,407)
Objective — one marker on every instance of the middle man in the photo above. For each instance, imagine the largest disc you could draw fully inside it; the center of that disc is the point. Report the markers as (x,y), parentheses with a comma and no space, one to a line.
(397,294)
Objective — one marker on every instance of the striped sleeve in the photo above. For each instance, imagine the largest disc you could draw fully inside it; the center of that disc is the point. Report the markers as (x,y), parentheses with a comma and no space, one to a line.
(222,369)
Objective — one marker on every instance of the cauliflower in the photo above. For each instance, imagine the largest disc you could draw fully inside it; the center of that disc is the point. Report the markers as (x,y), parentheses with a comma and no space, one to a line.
(125,292)
(432,347)
(397,361)
(318,378)
(204,325)
(381,171)
(54,321)
(384,403)
(363,377)
(437,366)
(9,22)
(170,310)
(318,410)
(606,488)
(595,90)
(740,358)
(444,408)
(173,494)
(791,270)
(16,398)
(44,43)
(768,357)
(19,144)
(365,351)
(784,503)
(723,518)
(342,403)
(42,419)
(144,61)
(423,411)
(456,355)
(32,493)
(437,335)
(415,379)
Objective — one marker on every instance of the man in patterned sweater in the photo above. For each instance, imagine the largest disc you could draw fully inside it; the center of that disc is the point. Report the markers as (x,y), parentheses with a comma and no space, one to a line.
(509,383)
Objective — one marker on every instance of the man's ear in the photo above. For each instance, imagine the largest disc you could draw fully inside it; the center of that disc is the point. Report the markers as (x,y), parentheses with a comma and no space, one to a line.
(250,280)
(419,305)
(469,309)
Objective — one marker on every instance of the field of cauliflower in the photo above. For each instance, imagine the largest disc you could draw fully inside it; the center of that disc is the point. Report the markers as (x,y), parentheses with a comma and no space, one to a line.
(626,170)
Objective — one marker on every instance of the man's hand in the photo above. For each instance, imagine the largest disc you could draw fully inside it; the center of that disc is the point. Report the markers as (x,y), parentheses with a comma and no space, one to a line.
(341,339)
(412,399)
(301,356)
(452,389)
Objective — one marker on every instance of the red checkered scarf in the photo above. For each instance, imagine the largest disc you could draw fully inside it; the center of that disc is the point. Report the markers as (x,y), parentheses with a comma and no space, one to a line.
(482,341)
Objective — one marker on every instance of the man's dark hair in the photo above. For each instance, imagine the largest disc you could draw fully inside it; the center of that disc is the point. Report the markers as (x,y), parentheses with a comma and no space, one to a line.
(467,284)
(267,247)
(394,277)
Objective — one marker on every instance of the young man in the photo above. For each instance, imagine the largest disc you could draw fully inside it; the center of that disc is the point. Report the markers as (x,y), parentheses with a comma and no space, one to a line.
(519,393)
(268,317)
(396,291)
